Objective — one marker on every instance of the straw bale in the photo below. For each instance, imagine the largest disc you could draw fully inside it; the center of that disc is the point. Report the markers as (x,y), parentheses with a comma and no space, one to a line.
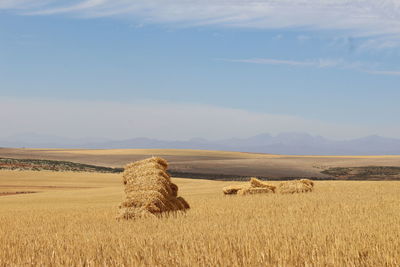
(254,190)
(152,201)
(232,189)
(182,203)
(132,172)
(255,186)
(157,160)
(176,203)
(149,190)
(134,213)
(148,176)
(254,182)
(174,189)
(295,186)
(308,182)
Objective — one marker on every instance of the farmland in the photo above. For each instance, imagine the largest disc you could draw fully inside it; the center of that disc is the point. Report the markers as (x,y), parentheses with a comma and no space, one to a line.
(70,220)
(226,165)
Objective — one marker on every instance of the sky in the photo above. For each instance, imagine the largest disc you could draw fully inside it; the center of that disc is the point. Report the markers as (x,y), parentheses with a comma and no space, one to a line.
(178,69)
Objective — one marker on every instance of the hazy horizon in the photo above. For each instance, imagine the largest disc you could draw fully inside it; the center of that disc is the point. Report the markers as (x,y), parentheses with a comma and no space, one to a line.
(99,138)
(288,143)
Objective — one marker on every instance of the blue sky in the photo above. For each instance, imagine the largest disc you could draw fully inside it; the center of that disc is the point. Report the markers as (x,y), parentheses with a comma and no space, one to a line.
(213,69)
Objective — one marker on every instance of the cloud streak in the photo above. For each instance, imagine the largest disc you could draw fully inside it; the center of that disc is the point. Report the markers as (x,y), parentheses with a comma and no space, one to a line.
(319,63)
(385,72)
(360,17)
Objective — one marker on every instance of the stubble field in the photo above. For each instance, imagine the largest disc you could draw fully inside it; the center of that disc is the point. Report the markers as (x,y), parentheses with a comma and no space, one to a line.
(208,164)
(70,221)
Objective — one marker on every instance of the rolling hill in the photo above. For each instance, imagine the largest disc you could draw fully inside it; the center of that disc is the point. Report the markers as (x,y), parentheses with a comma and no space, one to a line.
(227,165)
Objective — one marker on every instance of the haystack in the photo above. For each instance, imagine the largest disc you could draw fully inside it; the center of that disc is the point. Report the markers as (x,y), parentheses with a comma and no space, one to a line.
(296,186)
(232,189)
(255,187)
(254,182)
(307,181)
(149,190)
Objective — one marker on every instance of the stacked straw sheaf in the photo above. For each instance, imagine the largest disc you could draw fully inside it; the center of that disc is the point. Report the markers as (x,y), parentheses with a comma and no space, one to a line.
(296,186)
(255,187)
(149,190)
(259,187)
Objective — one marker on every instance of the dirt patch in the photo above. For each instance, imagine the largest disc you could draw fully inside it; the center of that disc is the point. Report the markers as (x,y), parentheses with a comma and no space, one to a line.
(46,186)
(52,165)
(2,194)
(364,173)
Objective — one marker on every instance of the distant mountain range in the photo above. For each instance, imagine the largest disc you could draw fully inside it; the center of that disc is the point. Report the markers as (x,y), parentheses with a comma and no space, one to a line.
(284,143)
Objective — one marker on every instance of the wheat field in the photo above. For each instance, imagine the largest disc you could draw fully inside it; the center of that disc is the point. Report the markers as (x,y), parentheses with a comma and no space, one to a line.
(71,222)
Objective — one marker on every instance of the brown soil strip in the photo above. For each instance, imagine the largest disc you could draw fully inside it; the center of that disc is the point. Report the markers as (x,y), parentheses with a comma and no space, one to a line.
(46,186)
(15,193)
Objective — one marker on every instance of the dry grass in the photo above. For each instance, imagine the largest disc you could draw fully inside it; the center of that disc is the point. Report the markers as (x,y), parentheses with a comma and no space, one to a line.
(254,190)
(339,224)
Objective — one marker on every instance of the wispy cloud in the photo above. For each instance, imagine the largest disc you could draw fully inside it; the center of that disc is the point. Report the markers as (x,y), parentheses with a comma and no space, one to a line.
(385,72)
(320,63)
(79,7)
(359,17)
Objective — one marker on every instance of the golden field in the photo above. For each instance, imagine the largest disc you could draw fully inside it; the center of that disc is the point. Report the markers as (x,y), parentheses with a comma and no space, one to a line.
(71,222)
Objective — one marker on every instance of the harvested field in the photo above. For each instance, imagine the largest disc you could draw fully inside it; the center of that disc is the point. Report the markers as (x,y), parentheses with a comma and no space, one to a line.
(203,164)
(340,224)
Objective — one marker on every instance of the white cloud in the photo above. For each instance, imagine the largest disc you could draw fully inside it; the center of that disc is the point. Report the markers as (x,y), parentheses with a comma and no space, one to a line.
(23,4)
(162,120)
(320,63)
(385,72)
(360,17)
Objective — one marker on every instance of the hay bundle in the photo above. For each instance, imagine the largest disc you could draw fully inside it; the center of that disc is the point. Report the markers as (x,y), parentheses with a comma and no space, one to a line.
(296,186)
(232,189)
(156,160)
(256,187)
(149,190)
(254,182)
(174,189)
(308,182)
